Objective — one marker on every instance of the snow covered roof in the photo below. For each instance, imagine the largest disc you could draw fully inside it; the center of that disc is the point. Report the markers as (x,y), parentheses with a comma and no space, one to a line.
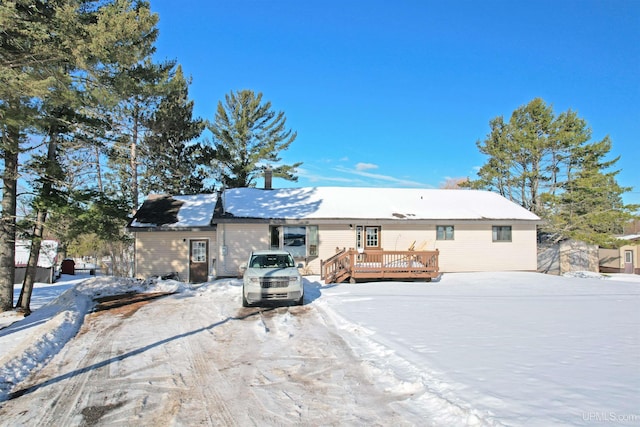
(370,203)
(175,211)
(630,237)
(46,258)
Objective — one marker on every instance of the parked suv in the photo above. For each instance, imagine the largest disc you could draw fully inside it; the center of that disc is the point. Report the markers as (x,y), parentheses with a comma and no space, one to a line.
(271,276)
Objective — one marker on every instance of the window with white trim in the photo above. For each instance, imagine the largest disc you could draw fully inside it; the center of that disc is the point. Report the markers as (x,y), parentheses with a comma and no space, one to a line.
(444,232)
(501,233)
(367,237)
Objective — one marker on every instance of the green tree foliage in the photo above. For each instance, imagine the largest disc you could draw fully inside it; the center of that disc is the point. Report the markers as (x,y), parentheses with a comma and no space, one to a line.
(589,205)
(248,136)
(50,52)
(31,54)
(139,90)
(171,159)
(549,165)
(49,175)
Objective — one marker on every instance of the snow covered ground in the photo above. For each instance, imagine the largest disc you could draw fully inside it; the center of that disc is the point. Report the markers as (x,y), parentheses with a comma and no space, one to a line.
(516,349)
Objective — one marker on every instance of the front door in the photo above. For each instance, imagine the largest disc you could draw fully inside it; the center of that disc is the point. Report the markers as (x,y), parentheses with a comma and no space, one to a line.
(628,262)
(198,260)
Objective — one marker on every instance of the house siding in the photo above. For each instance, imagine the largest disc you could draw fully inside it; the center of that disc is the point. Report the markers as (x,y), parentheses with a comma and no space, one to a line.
(613,260)
(473,249)
(331,238)
(236,241)
(400,237)
(159,253)
(163,252)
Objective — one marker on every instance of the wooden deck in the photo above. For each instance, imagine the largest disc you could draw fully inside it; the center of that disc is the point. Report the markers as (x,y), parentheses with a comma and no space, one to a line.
(380,264)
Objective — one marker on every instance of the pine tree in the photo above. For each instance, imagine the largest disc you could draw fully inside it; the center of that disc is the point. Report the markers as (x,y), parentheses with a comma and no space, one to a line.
(248,136)
(589,206)
(517,153)
(137,90)
(171,160)
(550,166)
(45,48)
(30,52)
(49,175)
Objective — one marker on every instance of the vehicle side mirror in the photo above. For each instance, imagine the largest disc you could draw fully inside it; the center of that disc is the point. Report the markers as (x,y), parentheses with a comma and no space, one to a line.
(300,265)
(243,267)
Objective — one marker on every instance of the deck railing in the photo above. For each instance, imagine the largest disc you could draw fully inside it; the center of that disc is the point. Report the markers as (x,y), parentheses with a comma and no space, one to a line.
(336,268)
(380,264)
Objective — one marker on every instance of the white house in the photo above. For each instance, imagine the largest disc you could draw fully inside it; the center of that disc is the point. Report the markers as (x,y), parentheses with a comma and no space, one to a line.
(211,235)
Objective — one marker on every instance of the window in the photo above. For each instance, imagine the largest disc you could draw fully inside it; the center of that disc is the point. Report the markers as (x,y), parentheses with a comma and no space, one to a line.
(313,240)
(271,261)
(198,251)
(295,241)
(299,241)
(274,236)
(367,237)
(444,232)
(372,234)
(501,233)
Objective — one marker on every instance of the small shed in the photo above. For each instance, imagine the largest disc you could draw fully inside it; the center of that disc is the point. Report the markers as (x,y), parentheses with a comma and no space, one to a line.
(45,272)
(68,266)
(567,256)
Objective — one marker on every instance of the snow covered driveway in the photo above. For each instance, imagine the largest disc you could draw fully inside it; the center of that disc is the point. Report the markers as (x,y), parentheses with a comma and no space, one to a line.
(200,359)
(475,349)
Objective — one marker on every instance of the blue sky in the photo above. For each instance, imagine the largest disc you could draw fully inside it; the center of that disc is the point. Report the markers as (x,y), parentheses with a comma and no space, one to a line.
(396,93)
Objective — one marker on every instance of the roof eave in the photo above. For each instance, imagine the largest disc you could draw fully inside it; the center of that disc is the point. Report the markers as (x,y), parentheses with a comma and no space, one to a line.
(252,220)
(164,228)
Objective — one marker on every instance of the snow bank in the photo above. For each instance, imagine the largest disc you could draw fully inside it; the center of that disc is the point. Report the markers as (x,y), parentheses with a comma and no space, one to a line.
(479,349)
(29,343)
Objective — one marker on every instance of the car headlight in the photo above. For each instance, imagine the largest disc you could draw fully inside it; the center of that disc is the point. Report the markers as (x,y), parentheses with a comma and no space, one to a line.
(254,280)
(293,279)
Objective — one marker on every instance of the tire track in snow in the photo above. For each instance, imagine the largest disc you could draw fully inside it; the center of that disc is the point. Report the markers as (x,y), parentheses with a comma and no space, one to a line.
(67,401)
(315,378)
(201,359)
(207,385)
(430,397)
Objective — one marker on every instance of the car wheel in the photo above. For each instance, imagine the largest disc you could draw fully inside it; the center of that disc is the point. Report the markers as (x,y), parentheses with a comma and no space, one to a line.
(245,303)
(300,301)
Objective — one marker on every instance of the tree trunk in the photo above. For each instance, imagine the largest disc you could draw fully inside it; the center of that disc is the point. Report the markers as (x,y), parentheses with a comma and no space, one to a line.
(38,229)
(24,301)
(134,163)
(99,171)
(10,146)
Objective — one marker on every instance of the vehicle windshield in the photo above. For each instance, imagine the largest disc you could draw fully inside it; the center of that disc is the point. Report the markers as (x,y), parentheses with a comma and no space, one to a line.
(271,261)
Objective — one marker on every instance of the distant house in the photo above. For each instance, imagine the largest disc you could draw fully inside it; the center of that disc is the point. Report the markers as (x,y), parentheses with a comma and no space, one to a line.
(211,235)
(625,259)
(45,271)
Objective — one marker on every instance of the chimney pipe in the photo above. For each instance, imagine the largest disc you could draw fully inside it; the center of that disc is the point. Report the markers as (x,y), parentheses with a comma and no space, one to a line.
(268,176)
